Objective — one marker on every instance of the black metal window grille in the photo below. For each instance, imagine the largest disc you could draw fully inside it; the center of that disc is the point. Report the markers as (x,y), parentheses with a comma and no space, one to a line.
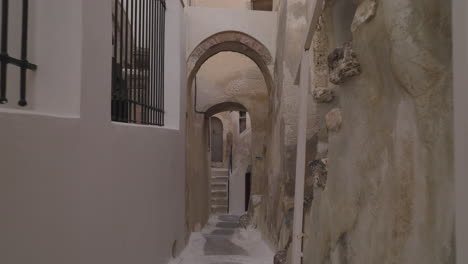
(5,59)
(138,61)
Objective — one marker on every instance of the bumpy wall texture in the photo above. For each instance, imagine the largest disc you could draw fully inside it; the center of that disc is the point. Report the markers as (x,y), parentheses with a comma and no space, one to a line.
(386,193)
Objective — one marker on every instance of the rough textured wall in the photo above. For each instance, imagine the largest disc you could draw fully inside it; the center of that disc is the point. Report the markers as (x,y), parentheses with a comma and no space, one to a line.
(273,216)
(388,198)
(197,190)
(380,122)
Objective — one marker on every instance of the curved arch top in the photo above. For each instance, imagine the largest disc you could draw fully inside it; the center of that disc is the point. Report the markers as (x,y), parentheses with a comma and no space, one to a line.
(225,106)
(231,36)
(234,41)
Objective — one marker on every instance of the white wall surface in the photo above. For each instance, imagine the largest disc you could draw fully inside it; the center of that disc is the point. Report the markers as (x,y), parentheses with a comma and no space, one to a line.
(460,39)
(86,190)
(174,70)
(242,149)
(242,4)
(55,46)
(205,22)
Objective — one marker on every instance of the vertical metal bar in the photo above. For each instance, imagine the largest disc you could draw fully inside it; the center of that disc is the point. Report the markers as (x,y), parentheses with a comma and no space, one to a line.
(126,101)
(130,82)
(163,33)
(153,59)
(155,63)
(140,55)
(150,60)
(114,66)
(148,80)
(24,53)
(115,28)
(120,109)
(158,64)
(145,96)
(143,58)
(4,52)
(135,58)
(160,38)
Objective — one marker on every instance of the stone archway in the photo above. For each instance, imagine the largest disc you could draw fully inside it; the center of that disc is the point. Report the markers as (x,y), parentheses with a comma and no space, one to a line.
(197,134)
(233,41)
(225,106)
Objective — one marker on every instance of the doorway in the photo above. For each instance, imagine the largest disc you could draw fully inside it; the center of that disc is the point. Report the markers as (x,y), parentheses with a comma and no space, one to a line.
(248,186)
(216,140)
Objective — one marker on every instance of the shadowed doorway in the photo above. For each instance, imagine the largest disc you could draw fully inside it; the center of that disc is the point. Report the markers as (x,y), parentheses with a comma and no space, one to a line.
(216,140)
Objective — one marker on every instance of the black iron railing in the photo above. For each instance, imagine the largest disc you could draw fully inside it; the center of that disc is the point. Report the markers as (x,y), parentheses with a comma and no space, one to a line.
(138,61)
(5,59)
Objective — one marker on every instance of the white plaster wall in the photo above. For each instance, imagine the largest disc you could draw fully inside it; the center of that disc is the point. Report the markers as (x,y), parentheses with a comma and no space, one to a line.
(55,46)
(241,161)
(205,22)
(460,37)
(241,4)
(86,190)
(174,70)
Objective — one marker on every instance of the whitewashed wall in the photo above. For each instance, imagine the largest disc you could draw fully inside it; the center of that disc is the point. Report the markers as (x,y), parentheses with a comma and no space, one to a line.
(202,23)
(75,187)
(55,46)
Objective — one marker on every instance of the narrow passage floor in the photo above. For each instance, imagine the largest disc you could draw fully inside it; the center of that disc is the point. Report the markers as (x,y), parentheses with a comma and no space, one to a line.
(223,241)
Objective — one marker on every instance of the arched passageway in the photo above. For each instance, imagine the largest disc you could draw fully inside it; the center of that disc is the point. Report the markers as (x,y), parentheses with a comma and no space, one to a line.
(198,117)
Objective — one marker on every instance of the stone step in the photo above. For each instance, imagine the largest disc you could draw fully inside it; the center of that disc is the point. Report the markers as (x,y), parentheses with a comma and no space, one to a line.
(219,202)
(219,173)
(218,206)
(218,194)
(218,184)
(223,189)
(219,169)
(219,187)
(219,210)
(219,180)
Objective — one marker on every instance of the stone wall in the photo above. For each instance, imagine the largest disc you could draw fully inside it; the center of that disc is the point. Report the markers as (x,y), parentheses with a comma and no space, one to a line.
(379,124)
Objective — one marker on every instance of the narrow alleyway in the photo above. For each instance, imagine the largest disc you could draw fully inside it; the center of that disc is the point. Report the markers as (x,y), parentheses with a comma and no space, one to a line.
(223,241)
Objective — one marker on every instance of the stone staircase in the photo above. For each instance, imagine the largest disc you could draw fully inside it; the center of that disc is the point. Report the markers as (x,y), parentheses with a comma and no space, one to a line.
(219,191)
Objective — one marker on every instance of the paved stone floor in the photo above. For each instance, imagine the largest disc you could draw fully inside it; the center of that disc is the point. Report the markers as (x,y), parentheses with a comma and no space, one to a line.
(223,241)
